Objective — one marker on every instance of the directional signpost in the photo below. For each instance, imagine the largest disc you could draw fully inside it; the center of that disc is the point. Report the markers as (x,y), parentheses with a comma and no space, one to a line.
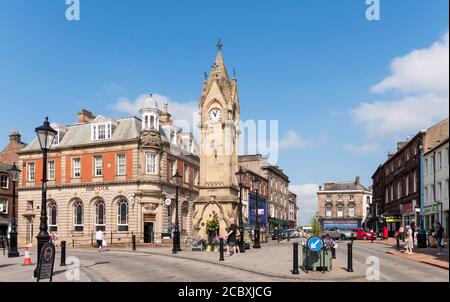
(315,244)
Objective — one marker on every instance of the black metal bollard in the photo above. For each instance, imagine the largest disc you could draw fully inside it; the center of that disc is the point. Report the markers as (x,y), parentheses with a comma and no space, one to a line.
(221,250)
(398,243)
(295,262)
(333,252)
(63,253)
(350,258)
(134,242)
(305,267)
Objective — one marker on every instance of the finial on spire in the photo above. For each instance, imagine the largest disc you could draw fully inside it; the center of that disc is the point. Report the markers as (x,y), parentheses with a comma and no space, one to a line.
(234,72)
(219,45)
(206,75)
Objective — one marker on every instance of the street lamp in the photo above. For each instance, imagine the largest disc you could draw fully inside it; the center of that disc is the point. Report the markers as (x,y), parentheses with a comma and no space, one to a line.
(422,235)
(256,185)
(45,135)
(14,176)
(241,177)
(176,234)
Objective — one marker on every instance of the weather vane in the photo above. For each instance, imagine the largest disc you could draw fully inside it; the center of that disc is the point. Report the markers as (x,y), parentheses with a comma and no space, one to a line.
(219,45)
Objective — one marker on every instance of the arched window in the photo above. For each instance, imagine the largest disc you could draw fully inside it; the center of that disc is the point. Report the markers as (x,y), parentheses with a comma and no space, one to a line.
(351,210)
(329,211)
(100,216)
(122,215)
(78,220)
(340,211)
(52,217)
(152,123)
(146,125)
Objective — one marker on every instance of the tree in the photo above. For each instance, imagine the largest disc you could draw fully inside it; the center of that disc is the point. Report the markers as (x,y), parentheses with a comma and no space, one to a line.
(316,229)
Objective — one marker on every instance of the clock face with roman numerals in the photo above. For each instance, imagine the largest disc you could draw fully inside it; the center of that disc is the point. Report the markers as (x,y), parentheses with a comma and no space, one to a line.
(215,115)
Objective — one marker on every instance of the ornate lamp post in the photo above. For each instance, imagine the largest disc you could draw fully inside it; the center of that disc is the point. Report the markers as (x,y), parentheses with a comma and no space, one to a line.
(256,184)
(45,135)
(176,234)
(240,177)
(14,176)
(422,235)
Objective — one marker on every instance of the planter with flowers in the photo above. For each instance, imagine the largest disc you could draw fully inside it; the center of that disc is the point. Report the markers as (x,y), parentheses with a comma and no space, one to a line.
(212,228)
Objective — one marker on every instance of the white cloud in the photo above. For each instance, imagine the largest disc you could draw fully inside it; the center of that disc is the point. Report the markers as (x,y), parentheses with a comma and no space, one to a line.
(292,140)
(365,149)
(410,114)
(422,70)
(181,111)
(422,76)
(306,200)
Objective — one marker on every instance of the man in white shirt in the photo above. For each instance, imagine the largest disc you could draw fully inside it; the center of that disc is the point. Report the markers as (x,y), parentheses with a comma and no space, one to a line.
(99,237)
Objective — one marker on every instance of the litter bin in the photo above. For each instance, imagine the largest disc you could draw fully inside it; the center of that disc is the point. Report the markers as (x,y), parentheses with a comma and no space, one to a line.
(421,240)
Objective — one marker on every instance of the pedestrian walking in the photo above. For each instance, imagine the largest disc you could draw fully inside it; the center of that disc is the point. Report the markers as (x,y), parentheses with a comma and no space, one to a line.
(439,237)
(99,237)
(413,228)
(231,236)
(409,240)
(401,233)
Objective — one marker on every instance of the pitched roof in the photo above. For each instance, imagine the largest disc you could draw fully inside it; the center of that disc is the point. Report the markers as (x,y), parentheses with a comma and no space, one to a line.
(346,186)
(4,167)
(80,134)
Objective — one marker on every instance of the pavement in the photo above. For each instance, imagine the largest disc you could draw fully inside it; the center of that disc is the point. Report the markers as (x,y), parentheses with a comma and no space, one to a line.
(272,263)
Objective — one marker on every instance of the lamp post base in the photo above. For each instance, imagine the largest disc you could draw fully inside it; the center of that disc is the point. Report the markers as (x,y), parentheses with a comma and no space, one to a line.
(42,239)
(176,242)
(257,244)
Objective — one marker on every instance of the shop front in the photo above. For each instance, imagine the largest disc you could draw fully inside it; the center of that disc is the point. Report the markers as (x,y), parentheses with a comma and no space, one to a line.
(393,223)
(341,223)
(409,213)
(432,215)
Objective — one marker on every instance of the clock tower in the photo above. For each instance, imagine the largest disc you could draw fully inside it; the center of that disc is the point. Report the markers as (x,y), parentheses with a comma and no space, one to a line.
(219,130)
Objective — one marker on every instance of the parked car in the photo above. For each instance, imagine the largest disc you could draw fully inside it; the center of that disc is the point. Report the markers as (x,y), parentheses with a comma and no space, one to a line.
(364,234)
(290,233)
(337,233)
(277,233)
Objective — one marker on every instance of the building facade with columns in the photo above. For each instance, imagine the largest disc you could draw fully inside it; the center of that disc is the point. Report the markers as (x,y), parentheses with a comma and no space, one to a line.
(112,175)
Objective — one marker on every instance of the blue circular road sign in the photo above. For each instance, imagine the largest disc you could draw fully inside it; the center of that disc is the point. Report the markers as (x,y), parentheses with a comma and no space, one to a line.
(315,244)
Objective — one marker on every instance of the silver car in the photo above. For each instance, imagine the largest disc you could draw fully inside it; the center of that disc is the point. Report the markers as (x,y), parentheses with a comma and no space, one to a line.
(341,234)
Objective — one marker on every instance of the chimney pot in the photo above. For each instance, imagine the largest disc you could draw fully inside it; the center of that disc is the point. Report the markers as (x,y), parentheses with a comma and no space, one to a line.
(85,116)
(15,136)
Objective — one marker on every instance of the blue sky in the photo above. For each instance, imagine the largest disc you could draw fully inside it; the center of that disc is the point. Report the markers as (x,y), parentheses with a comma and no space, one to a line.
(308,64)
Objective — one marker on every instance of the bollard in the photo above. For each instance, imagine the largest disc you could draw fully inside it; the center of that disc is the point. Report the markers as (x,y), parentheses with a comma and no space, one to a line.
(352,238)
(398,243)
(63,253)
(92,239)
(305,267)
(295,265)
(373,237)
(350,258)
(221,250)
(134,242)
(333,252)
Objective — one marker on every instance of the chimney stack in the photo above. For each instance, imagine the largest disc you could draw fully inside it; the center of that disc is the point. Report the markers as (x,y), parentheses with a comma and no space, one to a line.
(15,136)
(357,180)
(85,116)
(165,115)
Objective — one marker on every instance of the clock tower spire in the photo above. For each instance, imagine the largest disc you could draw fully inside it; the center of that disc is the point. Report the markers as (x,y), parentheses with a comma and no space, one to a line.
(219,130)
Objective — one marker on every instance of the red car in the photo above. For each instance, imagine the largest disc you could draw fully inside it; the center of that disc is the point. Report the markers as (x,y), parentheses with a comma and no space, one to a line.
(364,235)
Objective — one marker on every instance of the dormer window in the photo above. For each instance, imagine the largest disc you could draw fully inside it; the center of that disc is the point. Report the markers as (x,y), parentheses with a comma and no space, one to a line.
(101,131)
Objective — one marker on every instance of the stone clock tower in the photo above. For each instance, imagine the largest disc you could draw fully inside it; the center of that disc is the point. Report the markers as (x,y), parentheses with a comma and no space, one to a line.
(219,129)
